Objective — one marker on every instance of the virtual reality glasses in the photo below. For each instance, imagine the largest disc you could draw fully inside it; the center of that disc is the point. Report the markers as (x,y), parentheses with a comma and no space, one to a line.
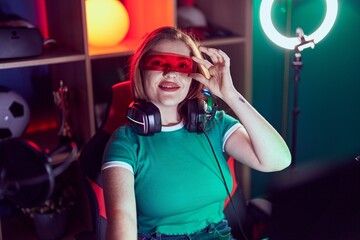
(168,62)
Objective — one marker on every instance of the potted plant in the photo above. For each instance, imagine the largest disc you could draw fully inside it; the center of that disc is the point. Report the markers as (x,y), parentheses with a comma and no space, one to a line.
(51,218)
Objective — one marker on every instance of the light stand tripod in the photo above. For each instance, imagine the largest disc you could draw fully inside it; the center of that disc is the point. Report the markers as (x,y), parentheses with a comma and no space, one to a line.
(297,65)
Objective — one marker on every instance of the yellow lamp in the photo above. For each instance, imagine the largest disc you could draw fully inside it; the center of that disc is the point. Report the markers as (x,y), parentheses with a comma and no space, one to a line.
(107,22)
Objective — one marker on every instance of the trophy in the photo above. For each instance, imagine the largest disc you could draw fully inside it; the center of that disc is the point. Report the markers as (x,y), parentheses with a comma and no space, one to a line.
(62,100)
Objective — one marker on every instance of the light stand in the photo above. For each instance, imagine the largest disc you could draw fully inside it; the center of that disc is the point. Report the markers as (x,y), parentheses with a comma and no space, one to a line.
(297,66)
(297,44)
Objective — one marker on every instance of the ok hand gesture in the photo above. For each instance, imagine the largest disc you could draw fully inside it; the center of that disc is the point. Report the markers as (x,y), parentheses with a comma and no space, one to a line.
(220,81)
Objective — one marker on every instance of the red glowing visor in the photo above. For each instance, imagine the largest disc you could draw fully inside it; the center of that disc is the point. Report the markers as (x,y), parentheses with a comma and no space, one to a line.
(168,62)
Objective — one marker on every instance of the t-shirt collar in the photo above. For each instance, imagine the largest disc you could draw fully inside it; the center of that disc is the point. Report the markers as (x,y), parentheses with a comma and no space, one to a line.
(173,127)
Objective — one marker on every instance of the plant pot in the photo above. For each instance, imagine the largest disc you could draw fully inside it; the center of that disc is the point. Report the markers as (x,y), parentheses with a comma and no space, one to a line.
(51,226)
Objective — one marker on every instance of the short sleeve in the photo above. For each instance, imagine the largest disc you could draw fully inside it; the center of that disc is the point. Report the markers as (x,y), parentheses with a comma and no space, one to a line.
(121,150)
(222,126)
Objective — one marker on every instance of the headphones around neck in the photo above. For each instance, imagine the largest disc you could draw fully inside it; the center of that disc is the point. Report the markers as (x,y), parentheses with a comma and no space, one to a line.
(145,118)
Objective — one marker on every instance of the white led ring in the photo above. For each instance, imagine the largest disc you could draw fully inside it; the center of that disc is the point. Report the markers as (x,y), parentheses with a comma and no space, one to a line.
(291,42)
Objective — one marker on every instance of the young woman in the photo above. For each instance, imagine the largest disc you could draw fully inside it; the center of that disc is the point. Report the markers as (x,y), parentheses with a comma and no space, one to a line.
(162,178)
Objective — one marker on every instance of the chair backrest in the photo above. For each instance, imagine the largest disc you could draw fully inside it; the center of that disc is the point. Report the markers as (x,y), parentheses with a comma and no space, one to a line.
(91,159)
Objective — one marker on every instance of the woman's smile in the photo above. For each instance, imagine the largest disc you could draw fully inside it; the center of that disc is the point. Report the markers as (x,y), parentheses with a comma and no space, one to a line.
(168,86)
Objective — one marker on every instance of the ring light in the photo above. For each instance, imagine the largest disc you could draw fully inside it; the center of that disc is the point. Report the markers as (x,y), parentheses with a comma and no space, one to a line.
(298,43)
(292,42)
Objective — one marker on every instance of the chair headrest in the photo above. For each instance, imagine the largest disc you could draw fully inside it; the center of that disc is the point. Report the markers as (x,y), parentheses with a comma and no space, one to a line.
(121,98)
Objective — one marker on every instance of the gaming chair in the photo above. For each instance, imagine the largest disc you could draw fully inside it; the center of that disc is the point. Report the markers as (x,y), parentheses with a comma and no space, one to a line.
(90,161)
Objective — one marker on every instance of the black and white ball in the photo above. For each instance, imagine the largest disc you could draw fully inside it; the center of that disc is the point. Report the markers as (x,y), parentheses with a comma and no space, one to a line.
(14,114)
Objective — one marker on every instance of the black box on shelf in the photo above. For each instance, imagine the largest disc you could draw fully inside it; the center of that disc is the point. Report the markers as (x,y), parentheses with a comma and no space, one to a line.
(19,42)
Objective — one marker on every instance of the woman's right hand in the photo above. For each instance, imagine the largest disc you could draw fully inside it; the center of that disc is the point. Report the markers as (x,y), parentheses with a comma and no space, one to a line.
(220,81)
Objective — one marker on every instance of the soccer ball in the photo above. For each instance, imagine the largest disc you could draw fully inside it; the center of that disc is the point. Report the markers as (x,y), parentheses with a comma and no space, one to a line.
(14,114)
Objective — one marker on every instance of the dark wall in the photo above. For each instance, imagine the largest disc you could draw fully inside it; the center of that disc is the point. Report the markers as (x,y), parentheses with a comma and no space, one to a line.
(329,100)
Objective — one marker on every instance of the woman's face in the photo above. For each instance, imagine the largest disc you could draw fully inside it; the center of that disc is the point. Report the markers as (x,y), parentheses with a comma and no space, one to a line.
(166,81)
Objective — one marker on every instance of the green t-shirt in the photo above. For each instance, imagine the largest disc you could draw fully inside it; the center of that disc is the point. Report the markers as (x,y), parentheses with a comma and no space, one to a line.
(178,185)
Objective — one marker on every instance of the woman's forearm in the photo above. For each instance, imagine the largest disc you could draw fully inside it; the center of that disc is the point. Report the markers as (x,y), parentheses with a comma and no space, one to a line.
(121,227)
(271,150)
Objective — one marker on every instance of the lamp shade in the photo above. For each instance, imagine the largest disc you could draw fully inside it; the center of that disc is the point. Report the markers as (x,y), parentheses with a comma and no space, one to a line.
(107,22)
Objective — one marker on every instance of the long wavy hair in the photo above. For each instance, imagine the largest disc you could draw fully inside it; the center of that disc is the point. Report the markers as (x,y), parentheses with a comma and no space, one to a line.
(148,43)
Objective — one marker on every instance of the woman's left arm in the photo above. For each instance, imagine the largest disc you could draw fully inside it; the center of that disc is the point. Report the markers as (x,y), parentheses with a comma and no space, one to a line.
(257,145)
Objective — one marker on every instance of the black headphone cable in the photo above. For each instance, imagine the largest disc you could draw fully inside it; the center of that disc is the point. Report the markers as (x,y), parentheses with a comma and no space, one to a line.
(226,187)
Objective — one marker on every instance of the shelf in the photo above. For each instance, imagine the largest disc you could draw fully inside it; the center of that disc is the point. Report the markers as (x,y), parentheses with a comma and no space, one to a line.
(223,41)
(127,47)
(52,56)
(124,48)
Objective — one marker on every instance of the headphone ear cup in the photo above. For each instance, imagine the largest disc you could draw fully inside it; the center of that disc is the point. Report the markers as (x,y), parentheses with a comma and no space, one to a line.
(195,115)
(144,118)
